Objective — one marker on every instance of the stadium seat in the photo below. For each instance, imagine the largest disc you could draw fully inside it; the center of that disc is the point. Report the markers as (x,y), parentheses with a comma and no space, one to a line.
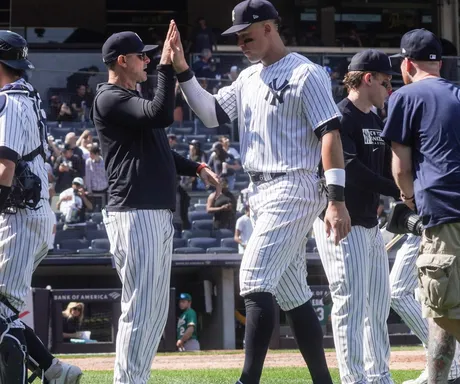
(101,226)
(88,216)
(189,234)
(179,243)
(229,243)
(59,226)
(73,244)
(69,234)
(203,224)
(201,138)
(96,217)
(58,216)
(183,130)
(200,207)
(240,185)
(311,244)
(92,235)
(221,250)
(199,215)
(189,250)
(90,251)
(90,226)
(203,242)
(101,244)
(223,233)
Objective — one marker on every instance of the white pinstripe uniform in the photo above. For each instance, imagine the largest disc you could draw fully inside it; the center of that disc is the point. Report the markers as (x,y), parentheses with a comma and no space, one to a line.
(278,108)
(23,236)
(403,281)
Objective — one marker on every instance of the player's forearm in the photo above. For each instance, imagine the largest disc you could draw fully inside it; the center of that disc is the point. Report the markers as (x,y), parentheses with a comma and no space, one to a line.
(402,169)
(331,151)
(187,335)
(199,100)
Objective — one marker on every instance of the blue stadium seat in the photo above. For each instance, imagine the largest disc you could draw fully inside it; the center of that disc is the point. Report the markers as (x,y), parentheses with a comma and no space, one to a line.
(96,217)
(199,207)
(90,226)
(101,226)
(311,245)
(240,185)
(59,226)
(92,235)
(101,244)
(189,250)
(189,234)
(203,224)
(223,233)
(73,244)
(201,138)
(203,242)
(221,250)
(229,243)
(199,215)
(90,251)
(179,243)
(69,234)
(183,130)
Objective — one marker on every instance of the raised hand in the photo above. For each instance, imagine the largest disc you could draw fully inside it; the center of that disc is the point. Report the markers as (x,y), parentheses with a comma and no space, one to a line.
(177,52)
(166,53)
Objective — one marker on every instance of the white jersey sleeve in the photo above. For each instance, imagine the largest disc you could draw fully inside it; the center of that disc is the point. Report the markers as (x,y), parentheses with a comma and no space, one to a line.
(227,99)
(318,104)
(11,123)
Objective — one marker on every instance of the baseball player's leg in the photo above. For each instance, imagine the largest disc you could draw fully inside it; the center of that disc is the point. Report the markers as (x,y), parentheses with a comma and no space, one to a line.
(346,267)
(293,295)
(283,209)
(141,243)
(376,339)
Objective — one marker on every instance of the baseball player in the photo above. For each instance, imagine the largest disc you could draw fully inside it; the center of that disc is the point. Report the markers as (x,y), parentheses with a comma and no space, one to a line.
(26,217)
(187,339)
(142,172)
(287,120)
(403,281)
(357,269)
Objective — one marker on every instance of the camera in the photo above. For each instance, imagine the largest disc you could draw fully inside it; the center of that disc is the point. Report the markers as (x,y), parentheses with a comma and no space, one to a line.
(403,220)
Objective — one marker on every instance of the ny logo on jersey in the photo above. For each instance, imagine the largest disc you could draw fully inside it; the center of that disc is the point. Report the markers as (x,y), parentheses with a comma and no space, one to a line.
(277,93)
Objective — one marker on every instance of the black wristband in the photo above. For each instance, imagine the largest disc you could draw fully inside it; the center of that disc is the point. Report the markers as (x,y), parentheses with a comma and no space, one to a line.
(4,193)
(185,76)
(335,192)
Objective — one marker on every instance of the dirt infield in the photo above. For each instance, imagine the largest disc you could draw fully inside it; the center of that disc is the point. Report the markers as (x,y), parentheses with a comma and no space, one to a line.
(400,360)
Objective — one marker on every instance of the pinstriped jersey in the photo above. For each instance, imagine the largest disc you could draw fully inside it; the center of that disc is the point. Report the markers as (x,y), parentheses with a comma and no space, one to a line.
(21,120)
(278,108)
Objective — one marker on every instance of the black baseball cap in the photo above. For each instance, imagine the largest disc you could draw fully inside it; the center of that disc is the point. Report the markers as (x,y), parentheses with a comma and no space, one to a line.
(14,51)
(249,12)
(420,44)
(123,43)
(371,60)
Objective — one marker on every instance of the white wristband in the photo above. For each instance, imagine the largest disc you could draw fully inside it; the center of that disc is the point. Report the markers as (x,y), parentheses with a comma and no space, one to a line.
(335,176)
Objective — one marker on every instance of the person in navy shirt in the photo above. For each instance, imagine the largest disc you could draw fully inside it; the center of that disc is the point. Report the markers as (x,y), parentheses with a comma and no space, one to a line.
(423,128)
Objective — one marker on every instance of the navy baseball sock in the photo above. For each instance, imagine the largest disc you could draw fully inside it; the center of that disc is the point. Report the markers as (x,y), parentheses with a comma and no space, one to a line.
(37,350)
(259,328)
(309,336)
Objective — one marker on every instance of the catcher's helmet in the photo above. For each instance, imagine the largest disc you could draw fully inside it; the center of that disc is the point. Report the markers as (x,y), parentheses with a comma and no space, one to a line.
(13,51)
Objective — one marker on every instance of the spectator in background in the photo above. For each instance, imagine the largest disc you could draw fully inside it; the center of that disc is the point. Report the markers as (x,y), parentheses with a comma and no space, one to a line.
(85,142)
(223,207)
(195,154)
(51,179)
(79,103)
(180,215)
(72,321)
(225,141)
(187,339)
(64,169)
(233,74)
(224,164)
(203,37)
(78,162)
(96,179)
(202,67)
(81,77)
(172,139)
(243,230)
(59,111)
(73,203)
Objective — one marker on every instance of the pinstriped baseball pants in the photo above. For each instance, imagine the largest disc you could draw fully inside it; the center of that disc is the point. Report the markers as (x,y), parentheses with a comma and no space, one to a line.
(282,212)
(141,244)
(403,281)
(358,274)
(23,245)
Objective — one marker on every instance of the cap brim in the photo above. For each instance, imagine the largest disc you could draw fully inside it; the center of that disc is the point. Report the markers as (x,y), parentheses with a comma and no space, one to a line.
(23,64)
(149,48)
(235,29)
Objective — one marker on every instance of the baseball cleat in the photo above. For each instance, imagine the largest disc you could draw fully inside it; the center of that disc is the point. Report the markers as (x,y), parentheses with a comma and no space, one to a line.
(63,373)
(422,379)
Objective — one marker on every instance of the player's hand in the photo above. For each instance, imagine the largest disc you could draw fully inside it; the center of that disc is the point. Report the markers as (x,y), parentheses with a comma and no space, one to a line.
(180,345)
(166,53)
(338,220)
(210,178)
(177,52)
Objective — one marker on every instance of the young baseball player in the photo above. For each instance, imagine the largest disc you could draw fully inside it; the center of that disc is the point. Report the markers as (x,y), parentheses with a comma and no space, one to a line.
(422,127)
(187,338)
(357,269)
(142,171)
(287,121)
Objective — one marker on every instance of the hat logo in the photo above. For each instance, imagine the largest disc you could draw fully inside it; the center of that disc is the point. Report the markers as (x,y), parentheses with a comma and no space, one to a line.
(233,15)
(432,57)
(255,16)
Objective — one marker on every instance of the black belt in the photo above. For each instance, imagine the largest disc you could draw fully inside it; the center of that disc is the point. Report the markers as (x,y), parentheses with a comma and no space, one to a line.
(263,177)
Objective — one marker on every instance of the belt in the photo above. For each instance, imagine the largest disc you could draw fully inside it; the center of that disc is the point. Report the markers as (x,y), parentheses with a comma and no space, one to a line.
(263,177)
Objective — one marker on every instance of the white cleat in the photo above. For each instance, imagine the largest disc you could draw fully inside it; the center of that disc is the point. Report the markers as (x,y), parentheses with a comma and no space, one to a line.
(422,379)
(63,373)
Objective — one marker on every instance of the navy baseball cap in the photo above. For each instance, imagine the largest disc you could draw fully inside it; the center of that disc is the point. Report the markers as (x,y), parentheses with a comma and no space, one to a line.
(185,296)
(420,44)
(14,51)
(123,43)
(371,60)
(249,12)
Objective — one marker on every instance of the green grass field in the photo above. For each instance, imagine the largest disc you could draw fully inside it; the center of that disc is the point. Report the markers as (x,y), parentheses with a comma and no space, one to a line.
(229,376)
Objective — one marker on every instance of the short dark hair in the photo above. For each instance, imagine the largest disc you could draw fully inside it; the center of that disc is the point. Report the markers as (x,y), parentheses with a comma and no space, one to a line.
(12,71)
(111,65)
(95,150)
